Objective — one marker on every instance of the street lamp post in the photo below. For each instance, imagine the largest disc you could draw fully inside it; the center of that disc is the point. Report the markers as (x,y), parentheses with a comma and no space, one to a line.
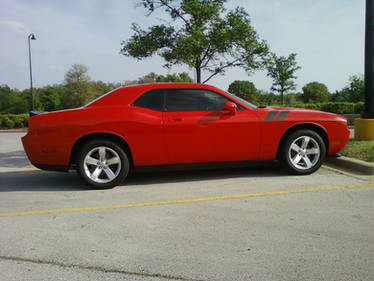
(31,37)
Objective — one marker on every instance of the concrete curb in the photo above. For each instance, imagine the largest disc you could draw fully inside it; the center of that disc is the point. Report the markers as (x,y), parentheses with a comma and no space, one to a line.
(351,165)
(19,130)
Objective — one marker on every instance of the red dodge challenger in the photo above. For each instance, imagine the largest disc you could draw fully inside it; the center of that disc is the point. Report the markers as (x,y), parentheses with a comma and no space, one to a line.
(164,124)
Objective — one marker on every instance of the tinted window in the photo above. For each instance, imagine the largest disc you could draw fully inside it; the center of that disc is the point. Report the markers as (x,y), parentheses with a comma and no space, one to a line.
(153,100)
(194,100)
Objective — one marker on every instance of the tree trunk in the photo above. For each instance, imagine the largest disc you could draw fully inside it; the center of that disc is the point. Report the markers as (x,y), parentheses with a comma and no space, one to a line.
(281,96)
(198,74)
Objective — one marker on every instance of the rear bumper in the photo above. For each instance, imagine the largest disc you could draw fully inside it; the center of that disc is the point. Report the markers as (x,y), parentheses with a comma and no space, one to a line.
(32,148)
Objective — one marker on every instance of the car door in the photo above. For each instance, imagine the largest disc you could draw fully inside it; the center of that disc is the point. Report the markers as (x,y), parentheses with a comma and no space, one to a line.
(198,129)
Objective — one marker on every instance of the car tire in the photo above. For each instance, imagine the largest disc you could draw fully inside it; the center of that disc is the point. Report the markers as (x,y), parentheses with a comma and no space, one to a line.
(302,152)
(102,164)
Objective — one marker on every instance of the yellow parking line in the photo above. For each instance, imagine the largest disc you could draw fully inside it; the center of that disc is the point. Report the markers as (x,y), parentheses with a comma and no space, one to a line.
(26,171)
(158,203)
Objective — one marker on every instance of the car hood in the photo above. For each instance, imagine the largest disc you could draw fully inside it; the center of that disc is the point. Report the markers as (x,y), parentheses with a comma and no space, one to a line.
(291,113)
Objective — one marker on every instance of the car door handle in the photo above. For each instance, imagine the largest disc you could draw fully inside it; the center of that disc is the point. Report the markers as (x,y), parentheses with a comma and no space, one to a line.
(177,119)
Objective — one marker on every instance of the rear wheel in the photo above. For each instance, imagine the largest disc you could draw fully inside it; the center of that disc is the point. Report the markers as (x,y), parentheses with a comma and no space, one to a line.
(302,152)
(103,163)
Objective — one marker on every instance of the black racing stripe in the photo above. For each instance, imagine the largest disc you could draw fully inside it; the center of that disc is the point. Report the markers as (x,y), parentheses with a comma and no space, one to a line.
(271,115)
(282,116)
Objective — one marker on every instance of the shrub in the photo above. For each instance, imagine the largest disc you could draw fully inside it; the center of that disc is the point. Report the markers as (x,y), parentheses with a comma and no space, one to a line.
(359,107)
(334,107)
(10,121)
(339,107)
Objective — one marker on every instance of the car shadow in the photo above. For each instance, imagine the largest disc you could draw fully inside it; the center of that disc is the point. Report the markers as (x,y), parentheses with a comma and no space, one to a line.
(159,175)
(40,181)
(58,181)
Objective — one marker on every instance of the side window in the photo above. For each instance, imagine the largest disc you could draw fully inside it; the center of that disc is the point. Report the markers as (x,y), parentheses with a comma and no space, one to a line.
(153,100)
(194,100)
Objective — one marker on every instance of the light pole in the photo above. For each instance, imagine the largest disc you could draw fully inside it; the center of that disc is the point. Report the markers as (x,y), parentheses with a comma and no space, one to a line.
(31,37)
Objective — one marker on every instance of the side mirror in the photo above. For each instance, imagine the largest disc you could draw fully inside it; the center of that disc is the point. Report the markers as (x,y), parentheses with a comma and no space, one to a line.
(230,107)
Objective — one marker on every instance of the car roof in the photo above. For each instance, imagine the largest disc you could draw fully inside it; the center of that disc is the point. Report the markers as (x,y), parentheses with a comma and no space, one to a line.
(171,85)
(125,94)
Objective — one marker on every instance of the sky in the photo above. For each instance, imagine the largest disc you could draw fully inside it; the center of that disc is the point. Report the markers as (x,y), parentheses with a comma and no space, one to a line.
(326,35)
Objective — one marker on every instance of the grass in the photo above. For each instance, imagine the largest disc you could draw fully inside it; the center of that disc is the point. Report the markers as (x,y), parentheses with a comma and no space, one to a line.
(363,150)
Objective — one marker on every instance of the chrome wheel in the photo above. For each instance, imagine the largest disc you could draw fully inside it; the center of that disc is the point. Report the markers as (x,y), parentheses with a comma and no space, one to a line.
(102,164)
(304,153)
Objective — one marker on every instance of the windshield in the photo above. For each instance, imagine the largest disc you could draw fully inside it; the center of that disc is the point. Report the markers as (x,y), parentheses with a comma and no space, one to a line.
(242,100)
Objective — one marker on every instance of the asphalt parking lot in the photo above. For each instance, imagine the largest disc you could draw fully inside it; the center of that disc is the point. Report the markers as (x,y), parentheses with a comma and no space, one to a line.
(253,223)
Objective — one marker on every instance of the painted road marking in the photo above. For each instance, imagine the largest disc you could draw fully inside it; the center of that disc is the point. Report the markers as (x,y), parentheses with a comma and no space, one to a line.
(196,200)
(31,170)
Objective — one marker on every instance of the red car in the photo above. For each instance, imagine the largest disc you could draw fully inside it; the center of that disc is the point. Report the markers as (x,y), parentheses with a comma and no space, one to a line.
(164,124)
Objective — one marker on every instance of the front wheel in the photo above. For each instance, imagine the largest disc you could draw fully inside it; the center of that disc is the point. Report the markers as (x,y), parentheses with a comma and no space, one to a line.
(102,164)
(302,152)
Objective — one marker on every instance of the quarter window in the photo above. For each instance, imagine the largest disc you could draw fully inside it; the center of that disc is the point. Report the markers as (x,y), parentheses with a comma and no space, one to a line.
(153,100)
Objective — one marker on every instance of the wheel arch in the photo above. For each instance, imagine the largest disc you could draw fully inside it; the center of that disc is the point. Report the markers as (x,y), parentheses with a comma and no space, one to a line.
(309,126)
(109,136)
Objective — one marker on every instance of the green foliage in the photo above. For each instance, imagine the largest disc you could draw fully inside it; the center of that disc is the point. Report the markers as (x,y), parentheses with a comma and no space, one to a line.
(354,92)
(179,77)
(315,92)
(76,87)
(155,78)
(98,88)
(10,121)
(13,101)
(50,97)
(76,94)
(202,35)
(334,107)
(359,107)
(245,90)
(77,73)
(282,71)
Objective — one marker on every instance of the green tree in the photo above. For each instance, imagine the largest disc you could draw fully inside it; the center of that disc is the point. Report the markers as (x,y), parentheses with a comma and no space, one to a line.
(50,97)
(293,98)
(266,98)
(245,90)
(355,91)
(282,71)
(76,87)
(7,98)
(149,78)
(77,73)
(178,77)
(14,101)
(202,35)
(155,78)
(315,92)
(98,88)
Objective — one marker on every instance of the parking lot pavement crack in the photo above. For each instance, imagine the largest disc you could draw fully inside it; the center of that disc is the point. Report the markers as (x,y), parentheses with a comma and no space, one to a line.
(97,268)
